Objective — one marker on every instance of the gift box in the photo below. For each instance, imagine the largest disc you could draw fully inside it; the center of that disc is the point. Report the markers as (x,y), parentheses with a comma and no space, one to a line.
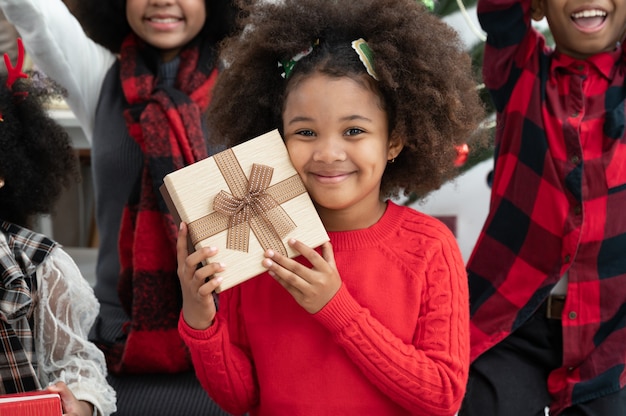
(244,200)
(37,403)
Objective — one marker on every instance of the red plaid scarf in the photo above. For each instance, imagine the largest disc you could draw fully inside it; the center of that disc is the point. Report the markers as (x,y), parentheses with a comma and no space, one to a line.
(21,252)
(166,123)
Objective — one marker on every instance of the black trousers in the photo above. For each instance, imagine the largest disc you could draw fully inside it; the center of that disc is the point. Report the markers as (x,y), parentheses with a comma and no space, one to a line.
(151,394)
(510,379)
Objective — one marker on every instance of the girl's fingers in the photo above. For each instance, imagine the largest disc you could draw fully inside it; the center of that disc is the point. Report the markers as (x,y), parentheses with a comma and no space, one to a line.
(290,282)
(210,285)
(328,254)
(189,265)
(312,287)
(202,274)
(284,267)
(302,248)
(318,262)
(181,244)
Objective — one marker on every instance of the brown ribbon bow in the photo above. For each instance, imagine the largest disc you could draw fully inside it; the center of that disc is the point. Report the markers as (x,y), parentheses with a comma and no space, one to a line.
(252,205)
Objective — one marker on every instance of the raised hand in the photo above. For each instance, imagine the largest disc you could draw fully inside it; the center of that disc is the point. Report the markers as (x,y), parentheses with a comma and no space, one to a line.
(311,288)
(197,282)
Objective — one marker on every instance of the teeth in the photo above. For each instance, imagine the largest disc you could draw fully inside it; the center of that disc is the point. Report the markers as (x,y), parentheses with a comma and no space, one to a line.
(589,13)
(167,20)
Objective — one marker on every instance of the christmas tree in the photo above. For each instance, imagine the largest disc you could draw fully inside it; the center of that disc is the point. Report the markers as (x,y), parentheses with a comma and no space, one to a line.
(461,14)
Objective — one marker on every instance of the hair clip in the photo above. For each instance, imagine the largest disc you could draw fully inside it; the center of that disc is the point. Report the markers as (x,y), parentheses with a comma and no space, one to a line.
(430,4)
(15,72)
(366,56)
(289,64)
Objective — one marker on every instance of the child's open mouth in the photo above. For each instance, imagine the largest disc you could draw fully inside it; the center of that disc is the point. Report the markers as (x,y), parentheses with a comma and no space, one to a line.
(589,19)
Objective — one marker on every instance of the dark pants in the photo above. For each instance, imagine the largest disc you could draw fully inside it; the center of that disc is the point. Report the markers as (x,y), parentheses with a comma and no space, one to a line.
(510,379)
(151,394)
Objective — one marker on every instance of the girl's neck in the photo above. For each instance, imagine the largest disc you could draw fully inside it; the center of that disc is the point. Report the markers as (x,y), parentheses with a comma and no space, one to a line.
(349,219)
(170,54)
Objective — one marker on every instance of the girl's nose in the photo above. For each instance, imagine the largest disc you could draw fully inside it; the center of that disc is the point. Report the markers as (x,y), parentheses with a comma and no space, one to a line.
(329,150)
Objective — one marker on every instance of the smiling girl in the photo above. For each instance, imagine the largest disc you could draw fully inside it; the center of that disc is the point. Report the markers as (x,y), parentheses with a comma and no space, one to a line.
(139,85)
(376,321)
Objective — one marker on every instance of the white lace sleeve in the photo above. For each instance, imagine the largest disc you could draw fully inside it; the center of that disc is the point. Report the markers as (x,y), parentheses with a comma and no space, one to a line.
(66,310)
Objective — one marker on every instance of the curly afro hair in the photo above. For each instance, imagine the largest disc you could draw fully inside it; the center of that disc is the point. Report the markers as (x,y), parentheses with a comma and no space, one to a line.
(105,21)
(424,75)
(37,160)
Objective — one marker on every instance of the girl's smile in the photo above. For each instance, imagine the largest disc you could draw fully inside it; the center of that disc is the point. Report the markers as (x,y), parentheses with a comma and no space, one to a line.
(330,177)
(164,22)
(167,25)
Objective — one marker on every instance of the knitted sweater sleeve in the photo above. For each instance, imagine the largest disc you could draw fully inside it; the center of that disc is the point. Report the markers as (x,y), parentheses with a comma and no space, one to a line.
(428,376)
(211,352)
(59,47)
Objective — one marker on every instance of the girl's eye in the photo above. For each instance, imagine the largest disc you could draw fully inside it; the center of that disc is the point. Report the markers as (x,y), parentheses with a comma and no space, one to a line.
(306,133)
(353,131)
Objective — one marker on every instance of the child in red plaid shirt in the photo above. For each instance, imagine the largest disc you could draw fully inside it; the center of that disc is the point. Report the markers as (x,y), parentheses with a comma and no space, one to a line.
(548,274)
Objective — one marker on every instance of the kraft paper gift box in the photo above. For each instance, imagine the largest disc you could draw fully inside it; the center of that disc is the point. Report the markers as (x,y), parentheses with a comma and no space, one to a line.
(243,201)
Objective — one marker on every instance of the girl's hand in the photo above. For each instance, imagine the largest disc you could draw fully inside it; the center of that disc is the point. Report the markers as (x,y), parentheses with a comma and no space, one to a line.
(197,283)
(311,288)
(71,406)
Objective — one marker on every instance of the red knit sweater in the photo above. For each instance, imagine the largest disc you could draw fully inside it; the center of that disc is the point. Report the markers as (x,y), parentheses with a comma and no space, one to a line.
(393,341)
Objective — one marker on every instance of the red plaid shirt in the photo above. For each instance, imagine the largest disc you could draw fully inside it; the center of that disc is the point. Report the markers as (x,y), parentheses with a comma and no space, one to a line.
(558,202)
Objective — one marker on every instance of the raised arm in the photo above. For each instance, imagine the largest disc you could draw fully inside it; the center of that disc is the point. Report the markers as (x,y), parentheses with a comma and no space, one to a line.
(509,41)
(57,44)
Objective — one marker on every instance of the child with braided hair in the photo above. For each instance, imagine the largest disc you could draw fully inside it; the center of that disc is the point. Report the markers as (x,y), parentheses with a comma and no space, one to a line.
(46,306)
(371,98)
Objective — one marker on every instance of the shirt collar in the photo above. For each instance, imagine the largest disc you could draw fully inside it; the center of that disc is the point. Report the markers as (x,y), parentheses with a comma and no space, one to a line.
(604,62)
(21,252)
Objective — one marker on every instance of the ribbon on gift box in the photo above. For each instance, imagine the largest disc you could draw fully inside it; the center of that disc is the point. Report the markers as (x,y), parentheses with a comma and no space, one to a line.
(253,205)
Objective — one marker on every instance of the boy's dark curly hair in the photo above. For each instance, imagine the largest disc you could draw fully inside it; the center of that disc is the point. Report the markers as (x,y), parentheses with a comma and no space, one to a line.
(36,157)
(105,20)
(424,77)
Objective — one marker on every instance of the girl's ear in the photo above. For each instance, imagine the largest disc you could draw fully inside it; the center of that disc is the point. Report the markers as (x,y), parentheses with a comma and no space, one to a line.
(538,10)
(395,147)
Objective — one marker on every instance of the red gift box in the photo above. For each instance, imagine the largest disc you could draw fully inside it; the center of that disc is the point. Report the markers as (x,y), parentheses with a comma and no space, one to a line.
(36,403)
